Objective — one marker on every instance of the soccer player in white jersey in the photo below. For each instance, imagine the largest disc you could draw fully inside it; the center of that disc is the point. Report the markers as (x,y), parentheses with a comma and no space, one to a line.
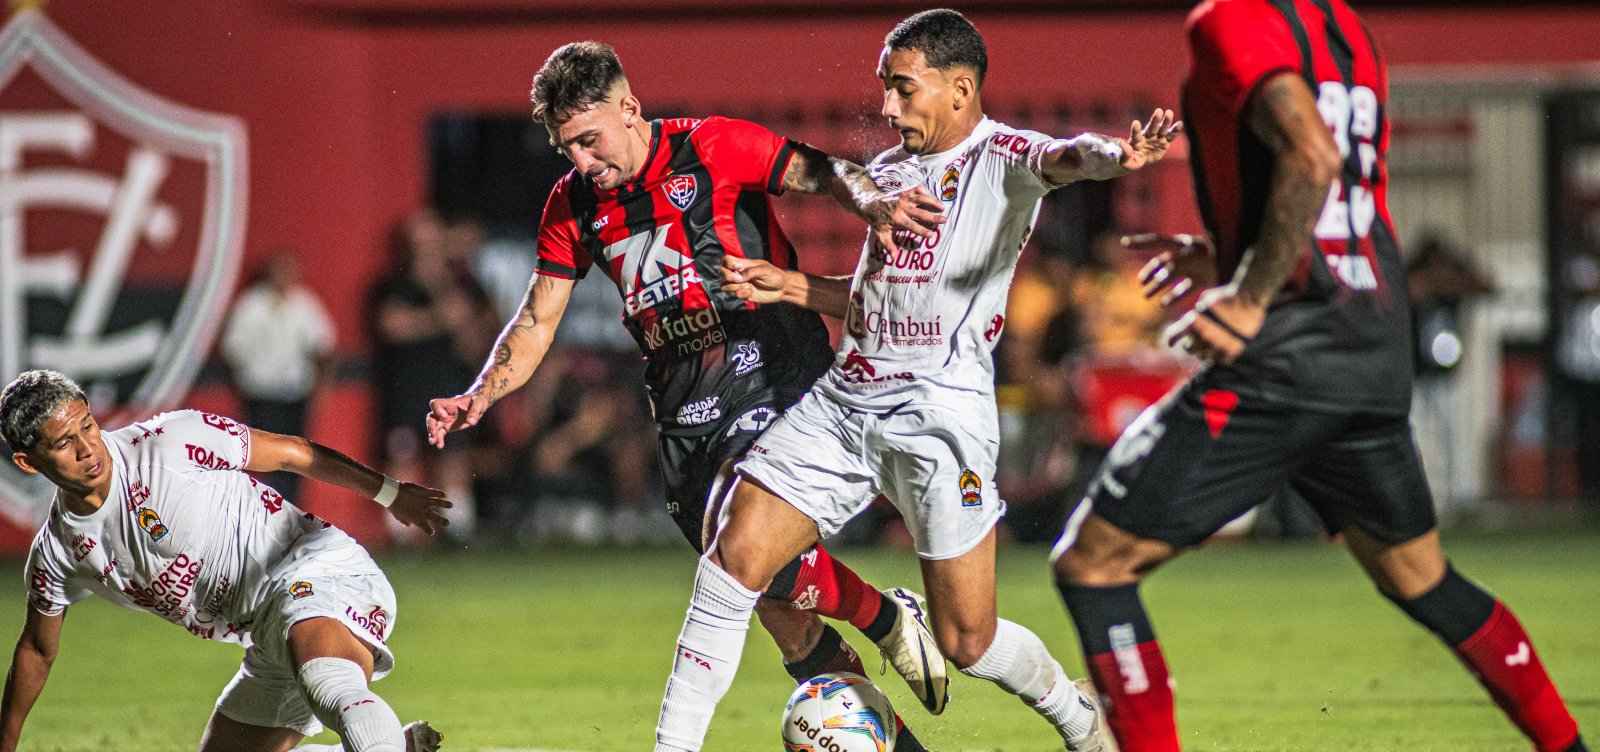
(161,517)
(907,410)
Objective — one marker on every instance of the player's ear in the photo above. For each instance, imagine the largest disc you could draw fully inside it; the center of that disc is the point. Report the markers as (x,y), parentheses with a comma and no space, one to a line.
(965,86)
(630,109)
(24,462)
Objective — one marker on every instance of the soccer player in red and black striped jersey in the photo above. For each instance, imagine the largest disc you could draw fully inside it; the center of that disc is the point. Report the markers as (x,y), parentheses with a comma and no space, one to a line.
(1309,376)
(657,205)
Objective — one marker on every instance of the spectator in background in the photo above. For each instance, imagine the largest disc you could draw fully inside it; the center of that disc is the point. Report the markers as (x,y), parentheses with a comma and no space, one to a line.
(430,319)
(1116,317)
(1440,280)
(1579,365)
(277,345)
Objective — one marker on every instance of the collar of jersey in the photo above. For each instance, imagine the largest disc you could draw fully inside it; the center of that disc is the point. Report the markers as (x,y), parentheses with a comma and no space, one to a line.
(644,169)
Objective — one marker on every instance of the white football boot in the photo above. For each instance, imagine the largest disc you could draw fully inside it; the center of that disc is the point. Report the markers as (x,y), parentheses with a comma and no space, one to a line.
(1100,740)
(420,737)
(910,648)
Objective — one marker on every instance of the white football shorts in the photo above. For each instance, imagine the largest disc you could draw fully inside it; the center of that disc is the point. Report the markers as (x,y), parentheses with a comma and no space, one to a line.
(934,460)
(315,580)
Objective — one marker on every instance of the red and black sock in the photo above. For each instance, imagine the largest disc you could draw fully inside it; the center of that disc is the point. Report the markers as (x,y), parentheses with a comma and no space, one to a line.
(832,655)
(1126,664)
(816,581)
(1487,637)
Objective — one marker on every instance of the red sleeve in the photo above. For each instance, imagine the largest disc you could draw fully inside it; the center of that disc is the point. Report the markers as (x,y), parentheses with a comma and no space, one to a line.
(1238,45)
(743,153)
(561,252)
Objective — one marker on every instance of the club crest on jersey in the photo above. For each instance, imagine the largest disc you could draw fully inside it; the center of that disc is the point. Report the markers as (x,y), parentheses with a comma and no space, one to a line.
(680,191)
(127,219)
(949,182)
(971,489)
(151,523)
(301,589)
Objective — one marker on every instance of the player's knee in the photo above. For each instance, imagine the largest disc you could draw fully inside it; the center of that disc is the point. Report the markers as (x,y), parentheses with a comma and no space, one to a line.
(740,558)
(965,645)
(1095,563)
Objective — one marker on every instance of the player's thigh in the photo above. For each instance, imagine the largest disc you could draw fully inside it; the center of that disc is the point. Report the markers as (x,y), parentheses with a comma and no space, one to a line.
(224,734)
(325,637)
(1197,459)
(811,459)
(936,463)
(961,601)
(690,471)
(1368,477)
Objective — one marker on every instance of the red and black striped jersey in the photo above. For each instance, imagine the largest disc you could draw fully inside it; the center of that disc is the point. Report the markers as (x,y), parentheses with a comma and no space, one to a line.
(702,194)
(1339,331)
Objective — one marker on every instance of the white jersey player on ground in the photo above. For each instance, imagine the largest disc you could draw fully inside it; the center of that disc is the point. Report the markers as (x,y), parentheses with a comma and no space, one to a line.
(160,516)
(907,409)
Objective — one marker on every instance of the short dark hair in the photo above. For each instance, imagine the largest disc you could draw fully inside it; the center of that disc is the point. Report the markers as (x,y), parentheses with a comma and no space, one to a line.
(576,76)
(29,400)
(946,38)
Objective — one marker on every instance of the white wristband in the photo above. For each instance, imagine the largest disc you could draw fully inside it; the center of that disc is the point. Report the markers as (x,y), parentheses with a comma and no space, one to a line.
(391,489)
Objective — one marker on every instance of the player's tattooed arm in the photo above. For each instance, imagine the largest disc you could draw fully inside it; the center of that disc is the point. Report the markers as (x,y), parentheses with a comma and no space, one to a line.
(914,210)
(1091,156)
(30,667)
(517,352)
(1284,116)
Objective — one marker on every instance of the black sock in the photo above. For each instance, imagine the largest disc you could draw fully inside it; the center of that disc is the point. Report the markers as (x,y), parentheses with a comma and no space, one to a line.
(1454,609)
(906,741)
(884,623)
(1095,610)
(820,658)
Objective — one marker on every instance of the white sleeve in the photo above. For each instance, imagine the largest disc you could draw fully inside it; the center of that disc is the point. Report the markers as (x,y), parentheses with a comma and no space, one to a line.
(205,440)
(1023,155)
(49,589)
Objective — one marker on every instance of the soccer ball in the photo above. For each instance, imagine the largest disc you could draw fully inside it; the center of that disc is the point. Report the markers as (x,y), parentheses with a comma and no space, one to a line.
(839,712)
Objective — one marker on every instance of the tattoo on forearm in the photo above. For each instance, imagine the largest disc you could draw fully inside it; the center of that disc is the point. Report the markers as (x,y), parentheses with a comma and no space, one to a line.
(1286,110)
(502,354)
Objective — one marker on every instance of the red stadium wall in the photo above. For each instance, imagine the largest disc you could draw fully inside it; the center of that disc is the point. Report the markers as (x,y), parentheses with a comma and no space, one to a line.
(336,93)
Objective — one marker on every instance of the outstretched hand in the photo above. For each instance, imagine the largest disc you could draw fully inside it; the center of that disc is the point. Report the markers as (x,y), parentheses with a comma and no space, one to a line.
(447,414)
(1179,265)
(420,506)
(1146,144)
(752,279)
(913,210)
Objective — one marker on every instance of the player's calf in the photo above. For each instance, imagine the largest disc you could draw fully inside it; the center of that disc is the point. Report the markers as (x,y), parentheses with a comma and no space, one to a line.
(1017,661)
(337,691)
(1487,637)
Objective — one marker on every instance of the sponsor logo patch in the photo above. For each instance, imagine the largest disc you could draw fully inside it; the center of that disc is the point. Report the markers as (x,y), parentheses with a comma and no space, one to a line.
(699,412)
(301,589)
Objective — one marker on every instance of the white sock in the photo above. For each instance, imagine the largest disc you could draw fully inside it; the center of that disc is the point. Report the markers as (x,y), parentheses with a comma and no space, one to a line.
(709,648)
(338,694)
(1018,662)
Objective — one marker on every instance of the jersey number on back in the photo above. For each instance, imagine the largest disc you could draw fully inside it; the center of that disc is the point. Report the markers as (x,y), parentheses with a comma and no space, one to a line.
(1352,113)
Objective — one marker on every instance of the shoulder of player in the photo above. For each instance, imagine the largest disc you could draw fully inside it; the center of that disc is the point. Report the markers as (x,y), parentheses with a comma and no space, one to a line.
(179,427)
(1215,18)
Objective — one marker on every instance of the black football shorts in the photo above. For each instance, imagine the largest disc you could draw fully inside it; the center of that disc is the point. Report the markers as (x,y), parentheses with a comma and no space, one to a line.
(691,462)
(1207,453)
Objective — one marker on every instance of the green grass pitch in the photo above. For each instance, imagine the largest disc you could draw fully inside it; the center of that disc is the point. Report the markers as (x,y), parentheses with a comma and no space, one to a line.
(1276,647)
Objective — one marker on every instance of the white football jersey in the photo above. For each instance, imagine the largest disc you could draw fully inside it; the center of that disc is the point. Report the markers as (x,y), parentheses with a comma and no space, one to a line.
(184,533)
(931,313)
